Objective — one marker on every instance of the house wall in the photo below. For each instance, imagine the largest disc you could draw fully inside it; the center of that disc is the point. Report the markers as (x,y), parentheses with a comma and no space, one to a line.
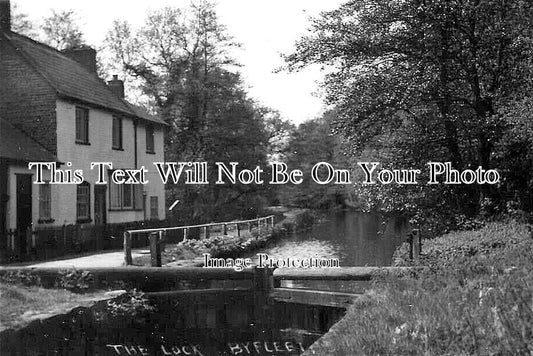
(155,187)
(100,149)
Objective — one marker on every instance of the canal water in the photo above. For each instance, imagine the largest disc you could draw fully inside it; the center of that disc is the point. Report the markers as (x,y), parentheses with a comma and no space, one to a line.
(220,326)
(354,238)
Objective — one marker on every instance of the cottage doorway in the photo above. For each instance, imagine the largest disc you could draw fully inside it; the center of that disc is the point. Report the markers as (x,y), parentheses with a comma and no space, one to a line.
(24,212)
(100,211)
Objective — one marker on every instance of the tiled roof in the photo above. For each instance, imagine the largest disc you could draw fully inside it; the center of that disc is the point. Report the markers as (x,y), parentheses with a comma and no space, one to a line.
(143,114)
(69,78)
(19,147)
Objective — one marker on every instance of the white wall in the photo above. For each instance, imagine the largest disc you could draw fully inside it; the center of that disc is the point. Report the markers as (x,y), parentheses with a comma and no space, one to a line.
(155,187)
(100,150)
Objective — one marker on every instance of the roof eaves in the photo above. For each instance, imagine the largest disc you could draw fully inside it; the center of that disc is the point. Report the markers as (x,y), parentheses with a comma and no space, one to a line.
(95,105)
(43,151)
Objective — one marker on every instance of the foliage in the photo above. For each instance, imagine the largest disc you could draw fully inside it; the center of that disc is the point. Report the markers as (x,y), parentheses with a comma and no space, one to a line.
(61,30)
(221,245)
(20,277)
(304,220)
(474,299)
(280,134)
(74,280)
(308,144)
(514,153)
(132,305)
(489,240)
(180,60)
(417,81)
(208,245)
(20,22)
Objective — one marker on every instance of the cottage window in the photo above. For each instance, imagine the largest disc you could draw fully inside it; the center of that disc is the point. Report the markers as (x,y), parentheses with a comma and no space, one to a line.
(150,139)
(83,200)
(115,195)
(154,208)
(117,133)
(82,125)
(125,196)
(45,201)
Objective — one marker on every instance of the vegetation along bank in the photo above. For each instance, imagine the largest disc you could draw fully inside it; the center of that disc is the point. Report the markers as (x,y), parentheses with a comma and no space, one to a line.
(475,297)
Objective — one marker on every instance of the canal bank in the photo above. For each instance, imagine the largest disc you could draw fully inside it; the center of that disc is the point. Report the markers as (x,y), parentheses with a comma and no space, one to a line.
(214,319)
(473,298)
(357,231)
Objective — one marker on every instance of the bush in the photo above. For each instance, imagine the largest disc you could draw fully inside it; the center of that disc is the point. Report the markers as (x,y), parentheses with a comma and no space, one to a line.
(132,305)
(304,220)
(74,280)
(475,297)
(489,240)
(21,278)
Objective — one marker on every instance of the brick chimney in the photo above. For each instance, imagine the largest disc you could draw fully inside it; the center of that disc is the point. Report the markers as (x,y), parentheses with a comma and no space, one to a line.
(117,86)
(5,16)
(86,56)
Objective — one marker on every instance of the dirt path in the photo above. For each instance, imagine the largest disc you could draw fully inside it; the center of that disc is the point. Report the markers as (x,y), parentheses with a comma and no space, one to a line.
(108,259)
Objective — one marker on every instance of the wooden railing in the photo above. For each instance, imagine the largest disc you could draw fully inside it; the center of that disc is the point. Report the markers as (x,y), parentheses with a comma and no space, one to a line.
(158,234)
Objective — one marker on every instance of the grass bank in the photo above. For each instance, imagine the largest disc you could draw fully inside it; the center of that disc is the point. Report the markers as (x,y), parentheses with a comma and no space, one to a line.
(474,298)
(20,305)
(26,297)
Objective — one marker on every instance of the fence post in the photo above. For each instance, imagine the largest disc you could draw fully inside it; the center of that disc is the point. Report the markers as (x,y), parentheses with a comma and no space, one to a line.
(155,249)
(238,230)
(250,227)
(259,227)
(162,239)
(127,248)
(225,229)
(207,232)
(185,233)
(272,221)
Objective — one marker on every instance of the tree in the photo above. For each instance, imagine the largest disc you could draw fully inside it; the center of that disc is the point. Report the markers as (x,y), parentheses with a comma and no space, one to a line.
(279,133)
(180,59)
(174,55)
(20,22)
(61,30)
(310,143)
(420,80)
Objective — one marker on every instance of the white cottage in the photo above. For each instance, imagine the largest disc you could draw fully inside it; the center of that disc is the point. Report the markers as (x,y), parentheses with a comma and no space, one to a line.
(56,101)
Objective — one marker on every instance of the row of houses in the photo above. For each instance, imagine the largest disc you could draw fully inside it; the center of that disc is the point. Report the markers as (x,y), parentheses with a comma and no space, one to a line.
(55,108)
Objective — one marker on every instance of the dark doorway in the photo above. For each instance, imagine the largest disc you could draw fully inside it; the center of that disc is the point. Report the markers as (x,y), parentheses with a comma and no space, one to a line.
(24,186)
(100,211)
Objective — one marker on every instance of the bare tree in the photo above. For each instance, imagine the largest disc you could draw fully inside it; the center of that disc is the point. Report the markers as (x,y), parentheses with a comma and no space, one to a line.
(61,30)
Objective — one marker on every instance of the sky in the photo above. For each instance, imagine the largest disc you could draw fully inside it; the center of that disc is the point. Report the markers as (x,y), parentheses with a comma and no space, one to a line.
(265,28)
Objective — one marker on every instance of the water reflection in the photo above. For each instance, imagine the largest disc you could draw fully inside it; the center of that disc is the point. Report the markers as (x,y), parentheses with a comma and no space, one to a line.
(356,239)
